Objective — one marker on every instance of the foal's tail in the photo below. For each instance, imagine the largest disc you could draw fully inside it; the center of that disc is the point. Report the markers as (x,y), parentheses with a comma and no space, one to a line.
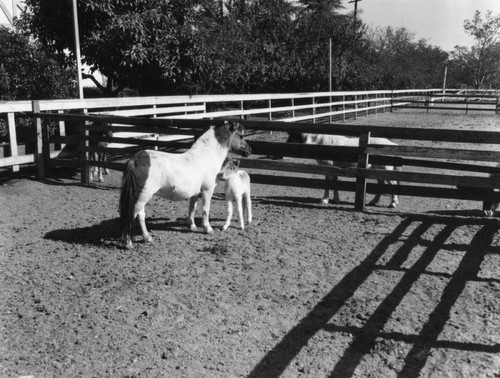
(128,197)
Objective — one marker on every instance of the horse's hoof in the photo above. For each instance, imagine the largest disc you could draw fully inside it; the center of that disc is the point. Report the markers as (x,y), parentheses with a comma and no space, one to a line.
(208,230)
(126,244)
(147,239)
(393,205)
(488,213)
(193,228)
(225,228)
(324,201)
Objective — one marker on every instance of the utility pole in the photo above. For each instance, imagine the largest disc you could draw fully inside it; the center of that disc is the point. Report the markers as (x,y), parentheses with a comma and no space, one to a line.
(355,9)
(77,49)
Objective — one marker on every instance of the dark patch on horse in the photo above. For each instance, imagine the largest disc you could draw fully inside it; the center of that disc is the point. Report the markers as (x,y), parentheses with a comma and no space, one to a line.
(141,163)
(224,133)
(295,137)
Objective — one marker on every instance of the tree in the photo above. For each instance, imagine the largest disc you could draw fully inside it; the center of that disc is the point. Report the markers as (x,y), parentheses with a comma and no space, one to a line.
(400,62)
(480,62)
(245,50)
(143,44)
(26,72)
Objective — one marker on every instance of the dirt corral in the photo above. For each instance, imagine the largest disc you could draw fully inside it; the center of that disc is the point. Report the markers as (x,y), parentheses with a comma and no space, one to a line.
(308,290)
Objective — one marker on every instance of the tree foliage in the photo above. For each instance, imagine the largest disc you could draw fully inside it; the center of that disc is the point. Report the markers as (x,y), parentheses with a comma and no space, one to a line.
(478,66)
(26,72)
(242,46)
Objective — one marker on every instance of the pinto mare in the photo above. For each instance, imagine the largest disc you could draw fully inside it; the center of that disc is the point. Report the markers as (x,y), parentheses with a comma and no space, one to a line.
(190,175)
(340,140)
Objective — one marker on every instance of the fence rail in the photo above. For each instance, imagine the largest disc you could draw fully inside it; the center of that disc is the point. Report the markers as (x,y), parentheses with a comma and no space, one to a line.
(17,149)
(426,169)
(460,173)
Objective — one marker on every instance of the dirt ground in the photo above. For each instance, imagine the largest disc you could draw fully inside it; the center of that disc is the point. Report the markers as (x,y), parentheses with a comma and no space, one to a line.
(308,290)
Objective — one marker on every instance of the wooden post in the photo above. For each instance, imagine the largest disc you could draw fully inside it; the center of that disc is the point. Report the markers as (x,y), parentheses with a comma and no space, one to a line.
(496,106)
(314,110)
(392,101)
(83,155)
(42,149)
(360,196)
(355,106)
(11,123)
(343,108)
(62,130)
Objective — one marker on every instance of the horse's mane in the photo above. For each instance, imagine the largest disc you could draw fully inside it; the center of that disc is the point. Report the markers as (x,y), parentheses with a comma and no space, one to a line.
(222,134)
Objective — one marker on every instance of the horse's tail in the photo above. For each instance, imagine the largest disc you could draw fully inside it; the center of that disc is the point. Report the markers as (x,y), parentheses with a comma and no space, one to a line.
(128,197)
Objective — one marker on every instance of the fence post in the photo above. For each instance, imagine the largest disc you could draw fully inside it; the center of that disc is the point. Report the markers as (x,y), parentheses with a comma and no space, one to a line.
(343,108)
(360,196)
(314,109)
(42,148)
(496,106)
(355,106)
(11,123)
(83,155)
(392,100)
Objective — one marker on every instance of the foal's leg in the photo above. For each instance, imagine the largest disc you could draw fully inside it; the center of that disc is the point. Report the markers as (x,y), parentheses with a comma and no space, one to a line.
(229,214)
(239,207)
(248,206)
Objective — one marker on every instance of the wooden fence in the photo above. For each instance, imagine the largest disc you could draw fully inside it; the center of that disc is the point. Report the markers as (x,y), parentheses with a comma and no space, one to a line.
(15,117)
(426,171)
(460,101)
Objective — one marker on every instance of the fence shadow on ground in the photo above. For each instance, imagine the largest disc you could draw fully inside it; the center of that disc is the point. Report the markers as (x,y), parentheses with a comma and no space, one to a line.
(407,236)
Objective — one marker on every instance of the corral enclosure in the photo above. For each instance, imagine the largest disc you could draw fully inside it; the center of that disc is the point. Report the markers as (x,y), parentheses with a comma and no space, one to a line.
(308,290)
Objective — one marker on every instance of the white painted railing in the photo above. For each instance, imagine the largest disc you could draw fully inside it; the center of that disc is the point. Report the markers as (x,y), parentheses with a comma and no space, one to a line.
(288,107)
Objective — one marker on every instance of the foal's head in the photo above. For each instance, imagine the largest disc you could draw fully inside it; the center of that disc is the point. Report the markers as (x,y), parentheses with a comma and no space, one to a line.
(231,134)
(230,167)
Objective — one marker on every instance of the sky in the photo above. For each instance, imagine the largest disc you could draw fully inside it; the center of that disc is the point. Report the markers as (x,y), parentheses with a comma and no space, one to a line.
(440,22)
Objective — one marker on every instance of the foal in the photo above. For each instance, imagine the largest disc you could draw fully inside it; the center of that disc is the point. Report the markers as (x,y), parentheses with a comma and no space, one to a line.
(237,189)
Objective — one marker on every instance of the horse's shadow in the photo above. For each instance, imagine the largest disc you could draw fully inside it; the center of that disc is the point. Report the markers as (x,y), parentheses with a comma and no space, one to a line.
(104,233)
(107,233)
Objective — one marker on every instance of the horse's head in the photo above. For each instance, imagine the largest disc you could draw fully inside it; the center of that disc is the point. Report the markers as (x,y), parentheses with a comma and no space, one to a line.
(238,144)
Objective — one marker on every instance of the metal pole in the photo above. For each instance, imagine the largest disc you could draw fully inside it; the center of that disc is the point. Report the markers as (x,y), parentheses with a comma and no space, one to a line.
(330,66)
(330,87)
(77,50)
(444,79)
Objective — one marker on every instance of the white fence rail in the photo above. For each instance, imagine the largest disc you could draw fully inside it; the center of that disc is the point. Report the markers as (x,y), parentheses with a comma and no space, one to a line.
(16,149)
